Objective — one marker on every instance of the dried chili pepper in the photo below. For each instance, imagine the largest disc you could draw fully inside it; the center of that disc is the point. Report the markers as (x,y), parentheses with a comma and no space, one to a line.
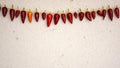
(4,11)
(99,12)
(70,17)
(56,18)
(93,14)
(49,19)
(81,15)
(36,15)
(110,13)
(30,16)
(116,11)
(88,15)
(17,13)
(43,15)
(12,13)
(63,16)
(103,13)
(75,14)
(23,15)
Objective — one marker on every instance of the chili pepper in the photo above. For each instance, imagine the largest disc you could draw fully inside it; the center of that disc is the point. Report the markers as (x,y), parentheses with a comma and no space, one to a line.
(43,15)
(116,11)
(49,19)
(17,13)
(81,15)
(110,13)
(75,14)
(88,15)
(56,18)
(93,14)
(36,15)
(23,15)
(4,11)
(30,16)
(12,13)
(63,16)
(70,17)
(99,12)
(103,13)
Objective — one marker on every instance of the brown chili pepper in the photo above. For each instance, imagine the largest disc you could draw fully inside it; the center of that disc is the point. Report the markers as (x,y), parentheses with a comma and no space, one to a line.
(81,15)
(17,13)
(70,17)
(43,15)
(110,13)
(4,11)
(116,11)
(63,16)
(23,15)
(49,19)
(93,14)
(12,13)
(56,18)
(75,14)
(88,15)
(103,13)
(36,15)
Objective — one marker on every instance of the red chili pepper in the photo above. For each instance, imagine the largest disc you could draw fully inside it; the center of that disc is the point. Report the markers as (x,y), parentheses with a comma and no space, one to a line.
(4,11)
(99,12)
(49,19)
(23,15)
(103,13)
(88,15)
(56,18)
(81,15)
(75,14)
(110,13)
(12,13)
(17,13)
(63,16)
(116,11)
(93,14)
(70,17)
(43,15)
(36,15)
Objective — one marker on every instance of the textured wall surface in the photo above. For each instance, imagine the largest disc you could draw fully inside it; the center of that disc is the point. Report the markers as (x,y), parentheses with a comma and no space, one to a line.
(83,44)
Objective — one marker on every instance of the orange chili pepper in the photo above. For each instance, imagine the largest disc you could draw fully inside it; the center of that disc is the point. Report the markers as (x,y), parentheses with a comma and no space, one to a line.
(30,16)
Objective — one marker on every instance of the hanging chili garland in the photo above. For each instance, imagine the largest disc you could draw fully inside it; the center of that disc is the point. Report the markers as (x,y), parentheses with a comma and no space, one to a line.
(89,15)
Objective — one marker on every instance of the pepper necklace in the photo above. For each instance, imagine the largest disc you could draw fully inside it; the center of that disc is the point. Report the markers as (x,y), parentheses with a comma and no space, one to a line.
(89,15)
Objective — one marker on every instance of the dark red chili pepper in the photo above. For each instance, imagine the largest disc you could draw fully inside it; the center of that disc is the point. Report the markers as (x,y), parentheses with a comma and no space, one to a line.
(110,13)
(93,14)
(17,13)
(116,11)
(36,15)
(56,18)
(63,16)
(70,17)
(75,14)
(88,15)
(103,13)
(99,12)
(81,15)
(43,15)
(23,15)
(49,19)
(12,13)
(4,11)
